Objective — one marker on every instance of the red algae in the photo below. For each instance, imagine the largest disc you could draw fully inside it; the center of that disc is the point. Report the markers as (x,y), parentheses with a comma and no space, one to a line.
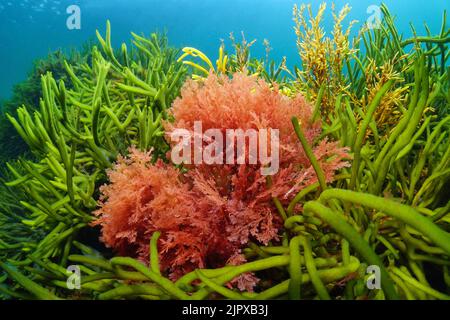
(209,213)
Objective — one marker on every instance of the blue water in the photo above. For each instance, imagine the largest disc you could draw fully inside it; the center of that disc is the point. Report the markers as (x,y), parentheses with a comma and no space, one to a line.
(30,29)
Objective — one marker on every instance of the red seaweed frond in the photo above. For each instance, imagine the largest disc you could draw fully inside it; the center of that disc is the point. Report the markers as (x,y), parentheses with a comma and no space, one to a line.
(208,214)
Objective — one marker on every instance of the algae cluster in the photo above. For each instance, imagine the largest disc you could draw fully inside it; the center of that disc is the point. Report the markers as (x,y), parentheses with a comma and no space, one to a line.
(384,97)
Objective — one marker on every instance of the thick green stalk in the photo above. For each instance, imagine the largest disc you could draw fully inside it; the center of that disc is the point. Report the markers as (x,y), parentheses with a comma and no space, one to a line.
(154,258)
(312,270)
(405,137)
(165,283)
(300,196)
(439,40)
(31,286)
(309,153)
(356,241)
(326,276)
(131,291)
(219,288)
(362,132)
(295,269)
(267,263)
(396,210)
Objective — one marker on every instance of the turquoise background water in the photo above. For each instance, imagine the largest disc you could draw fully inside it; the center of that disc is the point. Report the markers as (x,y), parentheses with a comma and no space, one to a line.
(30,29)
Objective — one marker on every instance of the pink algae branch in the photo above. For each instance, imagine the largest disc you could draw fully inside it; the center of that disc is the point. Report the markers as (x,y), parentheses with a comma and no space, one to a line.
(208,214)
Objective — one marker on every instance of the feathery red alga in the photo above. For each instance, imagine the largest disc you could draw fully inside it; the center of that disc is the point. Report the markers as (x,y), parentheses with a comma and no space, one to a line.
(208,214)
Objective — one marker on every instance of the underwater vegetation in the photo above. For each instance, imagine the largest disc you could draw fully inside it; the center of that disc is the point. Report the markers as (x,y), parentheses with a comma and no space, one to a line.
(363,180)
(207,214)
(28,93)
